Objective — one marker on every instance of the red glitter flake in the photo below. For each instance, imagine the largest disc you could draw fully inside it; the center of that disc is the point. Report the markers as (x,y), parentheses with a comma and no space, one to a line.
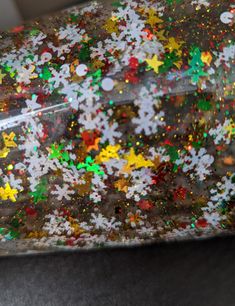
(145,204)
(180,194)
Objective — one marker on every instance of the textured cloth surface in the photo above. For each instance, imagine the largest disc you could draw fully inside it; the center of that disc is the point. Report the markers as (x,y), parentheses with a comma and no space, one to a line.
(179,274)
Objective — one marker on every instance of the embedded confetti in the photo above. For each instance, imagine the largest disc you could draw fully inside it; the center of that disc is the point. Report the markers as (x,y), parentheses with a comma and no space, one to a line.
(107,84)
(117,125)
(81,70)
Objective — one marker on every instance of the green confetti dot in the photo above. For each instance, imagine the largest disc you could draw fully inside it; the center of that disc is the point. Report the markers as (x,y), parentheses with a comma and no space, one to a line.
(34,32)
(204,105)
(46,74)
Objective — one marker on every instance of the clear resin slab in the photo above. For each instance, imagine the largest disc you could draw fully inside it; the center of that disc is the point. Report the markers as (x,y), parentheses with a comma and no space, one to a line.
(117,126)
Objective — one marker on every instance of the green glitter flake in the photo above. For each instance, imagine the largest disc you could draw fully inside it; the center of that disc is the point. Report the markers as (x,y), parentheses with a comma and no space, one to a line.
(117,4)
(197,144)
(2,230)
(40,193)
(74,18)
(204,105)
(34,32)
(84,54)
(90,166)
(171,2)
(170,61)
(233,179)
(12,235)
(46,74)
(172,152)
(55,151)
(96,77)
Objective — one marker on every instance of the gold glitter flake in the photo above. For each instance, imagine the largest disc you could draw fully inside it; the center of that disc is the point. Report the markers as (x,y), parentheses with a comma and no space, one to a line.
(9,140)
(136,161)
(8,193)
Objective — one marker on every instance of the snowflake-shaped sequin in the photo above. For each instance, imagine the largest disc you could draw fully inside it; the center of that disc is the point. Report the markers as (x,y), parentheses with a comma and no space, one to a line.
(141,182)
(101,222)
(197,163)
(135,219)
(148,123)
(63,192)
(220,133)
(200,3)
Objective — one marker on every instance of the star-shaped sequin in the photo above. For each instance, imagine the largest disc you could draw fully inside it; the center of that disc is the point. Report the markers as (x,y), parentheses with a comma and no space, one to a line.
(108,153)
(111,26)
(154,63)
(135,162)
(121,185)
(90,166)
(8,193)
(152,18)
(40,191)
(174,45)
(2,75)
(4,152)
(55,151)
(9,140)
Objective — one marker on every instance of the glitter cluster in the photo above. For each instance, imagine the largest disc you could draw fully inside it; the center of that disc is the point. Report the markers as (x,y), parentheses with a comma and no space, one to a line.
(117,125)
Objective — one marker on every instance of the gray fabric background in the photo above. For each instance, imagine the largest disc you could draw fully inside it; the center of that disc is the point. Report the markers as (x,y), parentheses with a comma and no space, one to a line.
(192,273)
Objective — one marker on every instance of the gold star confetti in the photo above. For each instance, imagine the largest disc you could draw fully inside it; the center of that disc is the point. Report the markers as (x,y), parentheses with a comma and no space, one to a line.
(2,75)
(8,193)
(136,161)
(74,65)
(4,152)
(76,227)
(160,35)
(153,19)
(206,58)
(156,162)
(97,64)
(37,234)
(108,153)
(154,63)
(121,185)
(178,64)
(9,140)
(111,26)
(174,45)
